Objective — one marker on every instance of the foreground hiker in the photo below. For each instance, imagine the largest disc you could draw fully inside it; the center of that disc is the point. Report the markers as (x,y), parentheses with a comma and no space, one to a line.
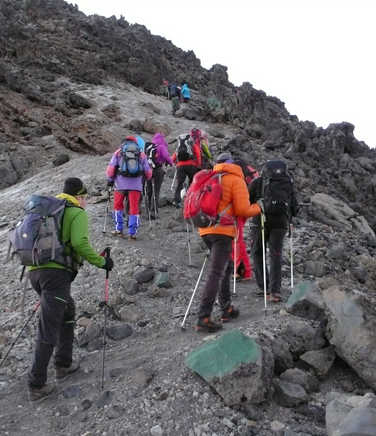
(188,161)
(276,189)
(157,154)
(125,172)
(52,281)
(218,238)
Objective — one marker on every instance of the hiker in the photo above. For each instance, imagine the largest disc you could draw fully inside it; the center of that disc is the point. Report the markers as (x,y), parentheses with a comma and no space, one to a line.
(165,88)
(187,158)
(276,190)
(125,171)
(52,281)
(243,265)
(185,92)
(157,153)
(218,238)
(202,138)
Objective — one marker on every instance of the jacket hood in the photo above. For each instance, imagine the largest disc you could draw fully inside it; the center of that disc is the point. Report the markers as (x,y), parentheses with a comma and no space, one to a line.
(158,139)
(229,168)
(70,198)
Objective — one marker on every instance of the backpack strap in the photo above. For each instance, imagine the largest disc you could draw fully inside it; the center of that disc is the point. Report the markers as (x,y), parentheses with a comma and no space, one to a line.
(228,207)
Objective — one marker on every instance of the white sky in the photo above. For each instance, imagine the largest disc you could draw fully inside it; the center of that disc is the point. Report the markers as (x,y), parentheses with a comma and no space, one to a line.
(317,56)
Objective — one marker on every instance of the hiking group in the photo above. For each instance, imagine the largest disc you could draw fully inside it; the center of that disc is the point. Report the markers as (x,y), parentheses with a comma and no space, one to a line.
(218,199)
(177,94)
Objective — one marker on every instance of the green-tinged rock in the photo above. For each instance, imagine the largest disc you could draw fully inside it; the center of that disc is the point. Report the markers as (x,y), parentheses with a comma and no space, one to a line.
(300,291)
(162,280)
(224,355)
(306,301)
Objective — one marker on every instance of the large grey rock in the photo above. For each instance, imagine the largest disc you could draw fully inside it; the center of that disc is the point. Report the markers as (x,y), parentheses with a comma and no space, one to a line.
(235,366)
(351,329)
(302,378)
(289,394)
(320,360)
(359,421)
(306,301)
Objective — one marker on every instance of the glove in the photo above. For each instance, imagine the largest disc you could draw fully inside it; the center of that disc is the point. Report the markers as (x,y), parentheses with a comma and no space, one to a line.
(260,202)
(109,264)
(110,183)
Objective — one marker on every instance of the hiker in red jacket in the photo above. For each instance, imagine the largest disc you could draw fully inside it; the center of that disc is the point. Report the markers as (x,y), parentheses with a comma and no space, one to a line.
(187,158)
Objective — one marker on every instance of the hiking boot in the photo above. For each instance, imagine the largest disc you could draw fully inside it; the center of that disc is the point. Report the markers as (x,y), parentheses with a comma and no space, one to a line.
(132,237)
(62,372)
(177,204)
(274,298)
(229,314)
(117,233)
(207,325)
(39,393)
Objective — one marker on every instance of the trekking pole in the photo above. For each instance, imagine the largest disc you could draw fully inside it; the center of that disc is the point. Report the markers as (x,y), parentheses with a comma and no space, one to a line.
(263,256)
(291,257)
(235,257)
(173,180)
(194,291)
(189,245)
(147,205)
(20,333)
(106,253)
(154,199)
(107,210)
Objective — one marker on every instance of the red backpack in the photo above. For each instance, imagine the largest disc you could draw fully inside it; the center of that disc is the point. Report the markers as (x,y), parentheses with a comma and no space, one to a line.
(202,200)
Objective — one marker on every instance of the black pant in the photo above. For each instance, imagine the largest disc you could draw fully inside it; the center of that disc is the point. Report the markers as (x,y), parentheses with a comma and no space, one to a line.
(274,240)
(56,322)
(182,173)
(154,184)
(219,275)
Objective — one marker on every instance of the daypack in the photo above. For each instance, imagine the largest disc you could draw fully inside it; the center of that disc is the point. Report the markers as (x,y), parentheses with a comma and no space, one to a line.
(36,239)
(202,200)
(130,162)
(184,150)
(277,188)
(151,151)
(173,90)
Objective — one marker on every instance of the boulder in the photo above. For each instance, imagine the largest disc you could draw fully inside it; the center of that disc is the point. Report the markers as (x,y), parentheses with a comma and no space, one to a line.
(302,378)
(320,360)
(351,329)
(306,301)
(289,394)
(236,366)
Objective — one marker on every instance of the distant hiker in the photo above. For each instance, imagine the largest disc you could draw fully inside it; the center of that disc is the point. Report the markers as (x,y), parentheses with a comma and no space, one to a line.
(173,91)
(202,138)
(243,265)
(125,171)
(165,88)
(175,104)
(188,161)
(275,189)
(52,281)
(157,154)
(218,238)
(185,92)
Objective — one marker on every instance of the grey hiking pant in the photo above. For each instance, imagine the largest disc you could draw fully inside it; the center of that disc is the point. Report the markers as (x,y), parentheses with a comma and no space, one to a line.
(56,322)
(274,241)
(156,183)
(219,274)
(182,172)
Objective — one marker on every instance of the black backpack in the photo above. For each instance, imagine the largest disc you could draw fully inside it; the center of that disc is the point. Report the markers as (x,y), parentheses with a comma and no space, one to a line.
(151,152)
(184,150)
(277,189)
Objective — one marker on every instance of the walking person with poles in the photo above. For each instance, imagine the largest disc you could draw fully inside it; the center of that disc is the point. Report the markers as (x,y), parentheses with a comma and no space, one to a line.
(52,281)
(218,238)
(275,191)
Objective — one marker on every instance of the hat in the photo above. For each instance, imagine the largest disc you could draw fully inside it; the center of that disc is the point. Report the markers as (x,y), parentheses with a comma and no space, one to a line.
(224,157)
(74,186)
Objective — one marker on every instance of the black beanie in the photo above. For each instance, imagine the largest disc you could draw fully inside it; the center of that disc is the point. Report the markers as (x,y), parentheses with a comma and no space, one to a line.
(74,186)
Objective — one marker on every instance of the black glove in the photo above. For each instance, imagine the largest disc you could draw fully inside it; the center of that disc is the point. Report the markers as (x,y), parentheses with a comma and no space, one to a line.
(110,183)
(109,264)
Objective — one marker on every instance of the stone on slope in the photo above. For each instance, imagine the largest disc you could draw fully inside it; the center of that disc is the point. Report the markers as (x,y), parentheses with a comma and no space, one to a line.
(351,329)
(289,394)
(236,366)
(302,378)
(306,301)
(320,360)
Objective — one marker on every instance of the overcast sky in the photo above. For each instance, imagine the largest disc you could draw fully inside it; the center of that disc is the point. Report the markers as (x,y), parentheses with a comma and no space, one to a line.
(317,56)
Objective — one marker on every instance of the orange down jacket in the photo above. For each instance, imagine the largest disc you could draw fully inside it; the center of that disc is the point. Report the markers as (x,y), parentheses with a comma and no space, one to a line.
(234,192)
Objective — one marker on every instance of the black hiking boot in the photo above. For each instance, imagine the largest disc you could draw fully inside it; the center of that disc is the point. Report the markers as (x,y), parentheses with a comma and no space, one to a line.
(62,372)
(207,325)
(40,393)
(229,314)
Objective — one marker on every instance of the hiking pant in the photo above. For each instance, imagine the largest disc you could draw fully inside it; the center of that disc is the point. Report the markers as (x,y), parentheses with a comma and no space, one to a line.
(241,251)
(175,104)
(274,241)
(182,172)
(133,210)
(154,184)
(219,274)
(56,322)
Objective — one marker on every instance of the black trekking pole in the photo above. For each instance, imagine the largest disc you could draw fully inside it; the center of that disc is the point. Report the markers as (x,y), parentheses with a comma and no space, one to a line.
(189,245)
(20,333)
(104,304)
(107,210)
